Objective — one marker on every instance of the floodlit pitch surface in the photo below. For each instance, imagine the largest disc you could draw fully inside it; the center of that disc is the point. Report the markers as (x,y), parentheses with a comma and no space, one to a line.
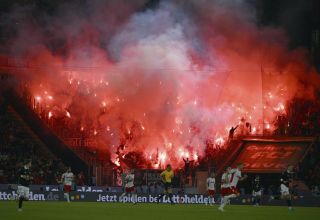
(118,211)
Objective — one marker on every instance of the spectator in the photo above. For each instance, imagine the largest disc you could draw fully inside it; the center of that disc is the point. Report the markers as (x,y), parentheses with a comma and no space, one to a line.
(81,179)
(186,166)
(231,132)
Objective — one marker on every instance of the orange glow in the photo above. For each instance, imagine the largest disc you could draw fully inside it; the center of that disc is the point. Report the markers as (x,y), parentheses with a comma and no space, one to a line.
(38,98)
(219,141)
(163,87)
(268,126)
(117,162)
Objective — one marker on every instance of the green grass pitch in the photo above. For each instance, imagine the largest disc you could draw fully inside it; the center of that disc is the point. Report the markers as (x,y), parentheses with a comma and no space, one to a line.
(118,211)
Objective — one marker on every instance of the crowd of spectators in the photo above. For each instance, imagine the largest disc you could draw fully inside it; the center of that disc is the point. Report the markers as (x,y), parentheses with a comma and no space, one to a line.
(301,119)
(309,168)
(16,147)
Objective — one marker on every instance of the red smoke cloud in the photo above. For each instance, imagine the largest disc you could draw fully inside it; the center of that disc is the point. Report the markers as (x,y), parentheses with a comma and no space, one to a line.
(160,81)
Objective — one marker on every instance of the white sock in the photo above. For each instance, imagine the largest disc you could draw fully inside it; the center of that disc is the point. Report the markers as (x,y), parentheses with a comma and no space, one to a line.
(134,198)
(122,195)
(224,201)
(66,195)
(230,197)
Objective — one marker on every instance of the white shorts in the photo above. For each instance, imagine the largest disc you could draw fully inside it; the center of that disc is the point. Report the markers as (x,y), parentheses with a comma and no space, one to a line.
(23,191)
(284,190)
(258,193)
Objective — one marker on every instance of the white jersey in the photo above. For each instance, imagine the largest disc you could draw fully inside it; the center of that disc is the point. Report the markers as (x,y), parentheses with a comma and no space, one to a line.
(129,180)
(235,176)
(67,178)
(225,180)
(211,183)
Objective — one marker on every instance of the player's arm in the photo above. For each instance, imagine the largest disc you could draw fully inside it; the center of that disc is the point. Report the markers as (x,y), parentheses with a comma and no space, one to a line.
(62,178)
(128,178)
(23,176)
(284,179)
(26,176)
(245,176)
(224,179)
(163,175)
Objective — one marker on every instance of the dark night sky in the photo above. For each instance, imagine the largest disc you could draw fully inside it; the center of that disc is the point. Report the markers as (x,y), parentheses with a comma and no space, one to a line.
(295,16)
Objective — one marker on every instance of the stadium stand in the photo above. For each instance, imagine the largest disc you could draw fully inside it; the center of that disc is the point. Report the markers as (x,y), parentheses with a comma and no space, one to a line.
(73,151)
(53,143)
(19,143)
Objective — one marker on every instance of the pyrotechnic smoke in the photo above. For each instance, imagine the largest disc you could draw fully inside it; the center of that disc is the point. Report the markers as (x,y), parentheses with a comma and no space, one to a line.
(160,81)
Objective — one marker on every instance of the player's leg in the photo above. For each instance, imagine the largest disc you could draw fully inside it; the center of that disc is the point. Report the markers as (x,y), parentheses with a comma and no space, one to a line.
(210,197)
(225,192)
(164,193)
(23,193)
(20,196)
(160,197)
(129,194)
(67,196)
(212,200)
(67,190)
(222,202)
(285,194)
(168,192)
(228,194)
(133,195)
(254,199)
(123,194)
(170,195)
(208,200)
(134,198)
(258,198)
(229,197)
(289,201)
